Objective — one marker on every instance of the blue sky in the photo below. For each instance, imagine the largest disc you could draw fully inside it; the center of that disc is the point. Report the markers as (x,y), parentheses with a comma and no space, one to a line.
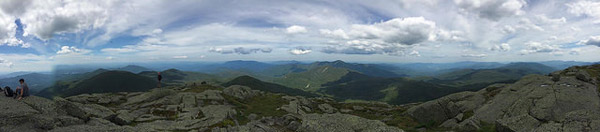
(36,34)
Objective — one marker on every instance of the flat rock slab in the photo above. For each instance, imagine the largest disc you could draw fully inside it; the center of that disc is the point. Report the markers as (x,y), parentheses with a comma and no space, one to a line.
(11,108)
(522,123)
(241,92)
(342,123)
(210,95)
(149,96)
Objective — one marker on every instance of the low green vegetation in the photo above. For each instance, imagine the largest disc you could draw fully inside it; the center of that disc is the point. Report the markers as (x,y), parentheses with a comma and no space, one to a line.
(593,72)
(224,123)
(468,115)
(389,94)
(430,125)
(487,127)
(263,106)
(266,105)
(199,88)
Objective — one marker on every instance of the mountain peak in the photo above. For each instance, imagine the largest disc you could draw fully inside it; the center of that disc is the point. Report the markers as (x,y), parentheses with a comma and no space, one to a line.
(246,78)
(105,82)
(100,70)
(367,69)
(248,65)
(266,86)
(241,61)
(338,61)
(172,70)
(134,68)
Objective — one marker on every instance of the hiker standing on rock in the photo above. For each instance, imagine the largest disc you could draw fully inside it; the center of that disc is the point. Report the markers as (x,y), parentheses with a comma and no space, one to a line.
(159,78)
(23,90)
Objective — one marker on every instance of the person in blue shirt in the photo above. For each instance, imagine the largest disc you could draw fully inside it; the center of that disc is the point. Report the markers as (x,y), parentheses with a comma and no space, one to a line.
(23,90)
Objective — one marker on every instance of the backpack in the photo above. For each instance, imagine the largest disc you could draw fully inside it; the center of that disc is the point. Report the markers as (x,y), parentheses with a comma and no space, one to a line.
(8,92)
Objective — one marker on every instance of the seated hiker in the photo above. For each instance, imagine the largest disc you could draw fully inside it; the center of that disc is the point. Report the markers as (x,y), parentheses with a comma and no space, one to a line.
(23,91)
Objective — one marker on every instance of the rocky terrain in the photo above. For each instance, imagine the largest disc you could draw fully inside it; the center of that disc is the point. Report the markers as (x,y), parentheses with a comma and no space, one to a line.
(193,108)
(566,100)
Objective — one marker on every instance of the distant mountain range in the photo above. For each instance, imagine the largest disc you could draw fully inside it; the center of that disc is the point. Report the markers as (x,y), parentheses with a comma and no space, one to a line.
(35,81)
(174,76)
(349,81)
(268,87)
(475,79)
(367,69)
(565,64)
(356,86)
(430,69)
(133,68)
(393,83)
(433,69)
(105,82)
(14,74)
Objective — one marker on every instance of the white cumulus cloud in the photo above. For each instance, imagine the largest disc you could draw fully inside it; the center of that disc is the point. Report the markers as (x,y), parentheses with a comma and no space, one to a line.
(392,37)
(180,57)
(504,47)
(585,8)
(407,31)
(295,29)
(338,33)
(593,40)
(474,55)
(537,47)
(492,9)
(300,51)
(72,50)
(157,31)
(414,53)
(47,18)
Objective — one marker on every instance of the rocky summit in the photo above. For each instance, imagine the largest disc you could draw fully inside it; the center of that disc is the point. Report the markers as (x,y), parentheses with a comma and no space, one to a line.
(189,108)
(566,100)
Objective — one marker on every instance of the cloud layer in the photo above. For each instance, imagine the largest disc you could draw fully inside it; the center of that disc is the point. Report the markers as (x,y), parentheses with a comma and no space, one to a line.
(385,31)
(6,63)
(241,50)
